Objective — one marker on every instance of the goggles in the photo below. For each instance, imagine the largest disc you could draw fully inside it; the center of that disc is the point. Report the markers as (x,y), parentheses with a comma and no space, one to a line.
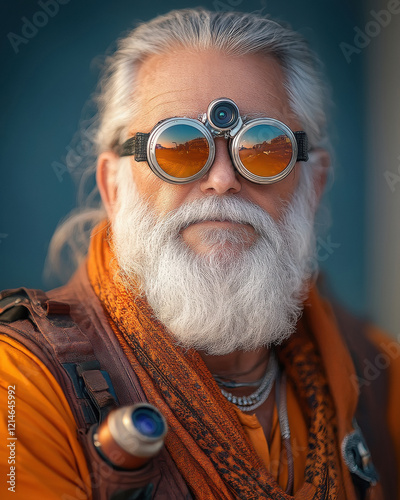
(182,150)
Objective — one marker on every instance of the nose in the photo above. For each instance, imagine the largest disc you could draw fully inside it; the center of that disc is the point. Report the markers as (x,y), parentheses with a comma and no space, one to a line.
(222,178)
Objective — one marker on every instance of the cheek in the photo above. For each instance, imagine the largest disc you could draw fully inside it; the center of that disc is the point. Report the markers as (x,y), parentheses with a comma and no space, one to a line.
(274,197)
(162,196)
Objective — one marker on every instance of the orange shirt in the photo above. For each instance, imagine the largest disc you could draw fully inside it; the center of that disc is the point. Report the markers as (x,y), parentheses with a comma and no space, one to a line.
(49,461)
(272,455)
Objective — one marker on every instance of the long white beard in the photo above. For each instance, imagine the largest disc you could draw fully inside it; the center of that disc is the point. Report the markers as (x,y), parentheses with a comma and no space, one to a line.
(233,298)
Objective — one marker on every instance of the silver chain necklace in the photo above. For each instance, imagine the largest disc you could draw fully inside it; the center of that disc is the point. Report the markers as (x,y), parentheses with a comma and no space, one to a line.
(257,398)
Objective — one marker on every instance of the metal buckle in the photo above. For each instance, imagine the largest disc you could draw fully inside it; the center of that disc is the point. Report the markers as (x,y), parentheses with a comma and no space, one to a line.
(357,456)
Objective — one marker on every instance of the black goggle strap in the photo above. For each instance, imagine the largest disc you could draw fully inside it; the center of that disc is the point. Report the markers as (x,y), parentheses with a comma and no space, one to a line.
(137,146)
(302,146)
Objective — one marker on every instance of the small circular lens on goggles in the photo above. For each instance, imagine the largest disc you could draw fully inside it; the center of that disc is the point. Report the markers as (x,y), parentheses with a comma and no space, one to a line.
(264,150)
(180,150)
(223,114)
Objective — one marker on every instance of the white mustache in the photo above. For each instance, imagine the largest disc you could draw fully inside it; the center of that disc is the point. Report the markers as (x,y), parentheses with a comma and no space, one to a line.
(214,208)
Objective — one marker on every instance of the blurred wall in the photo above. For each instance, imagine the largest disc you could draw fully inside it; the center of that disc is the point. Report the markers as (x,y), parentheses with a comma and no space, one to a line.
(382,30)
(47,78)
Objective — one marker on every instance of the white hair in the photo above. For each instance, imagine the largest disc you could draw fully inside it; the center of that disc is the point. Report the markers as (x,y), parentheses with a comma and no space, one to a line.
(236,296)
(235,33)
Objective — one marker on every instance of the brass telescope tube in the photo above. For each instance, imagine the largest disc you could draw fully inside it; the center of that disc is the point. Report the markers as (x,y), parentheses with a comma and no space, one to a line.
(130,436)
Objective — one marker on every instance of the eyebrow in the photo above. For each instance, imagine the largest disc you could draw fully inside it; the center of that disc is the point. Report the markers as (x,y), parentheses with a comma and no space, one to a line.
(254,114)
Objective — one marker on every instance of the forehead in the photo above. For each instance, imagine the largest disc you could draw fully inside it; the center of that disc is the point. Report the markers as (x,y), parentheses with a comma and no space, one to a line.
(183,83)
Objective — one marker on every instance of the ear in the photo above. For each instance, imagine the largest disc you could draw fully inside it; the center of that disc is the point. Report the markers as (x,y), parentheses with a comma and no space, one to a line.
(321,160)
(107,164)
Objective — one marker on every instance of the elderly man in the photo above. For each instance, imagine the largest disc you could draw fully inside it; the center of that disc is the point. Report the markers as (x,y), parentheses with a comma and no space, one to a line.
(198,294)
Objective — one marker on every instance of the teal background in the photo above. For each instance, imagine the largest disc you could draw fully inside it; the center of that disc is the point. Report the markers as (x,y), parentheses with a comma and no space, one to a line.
(45,86)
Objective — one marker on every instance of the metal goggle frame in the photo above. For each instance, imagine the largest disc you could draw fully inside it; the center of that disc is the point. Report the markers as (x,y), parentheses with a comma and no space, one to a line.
(182,150)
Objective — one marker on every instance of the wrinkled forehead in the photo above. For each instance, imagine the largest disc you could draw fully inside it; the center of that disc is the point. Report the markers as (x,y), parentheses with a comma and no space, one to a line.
(184,82)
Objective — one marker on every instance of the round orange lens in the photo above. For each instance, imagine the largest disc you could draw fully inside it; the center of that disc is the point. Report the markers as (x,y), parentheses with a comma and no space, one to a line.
(181,150)
(265,150)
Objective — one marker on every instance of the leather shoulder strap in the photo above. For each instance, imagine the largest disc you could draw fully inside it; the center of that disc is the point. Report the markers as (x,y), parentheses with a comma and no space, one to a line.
(46,328)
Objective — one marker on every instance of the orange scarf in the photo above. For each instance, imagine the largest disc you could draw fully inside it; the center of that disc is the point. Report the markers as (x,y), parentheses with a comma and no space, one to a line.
(205,438)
